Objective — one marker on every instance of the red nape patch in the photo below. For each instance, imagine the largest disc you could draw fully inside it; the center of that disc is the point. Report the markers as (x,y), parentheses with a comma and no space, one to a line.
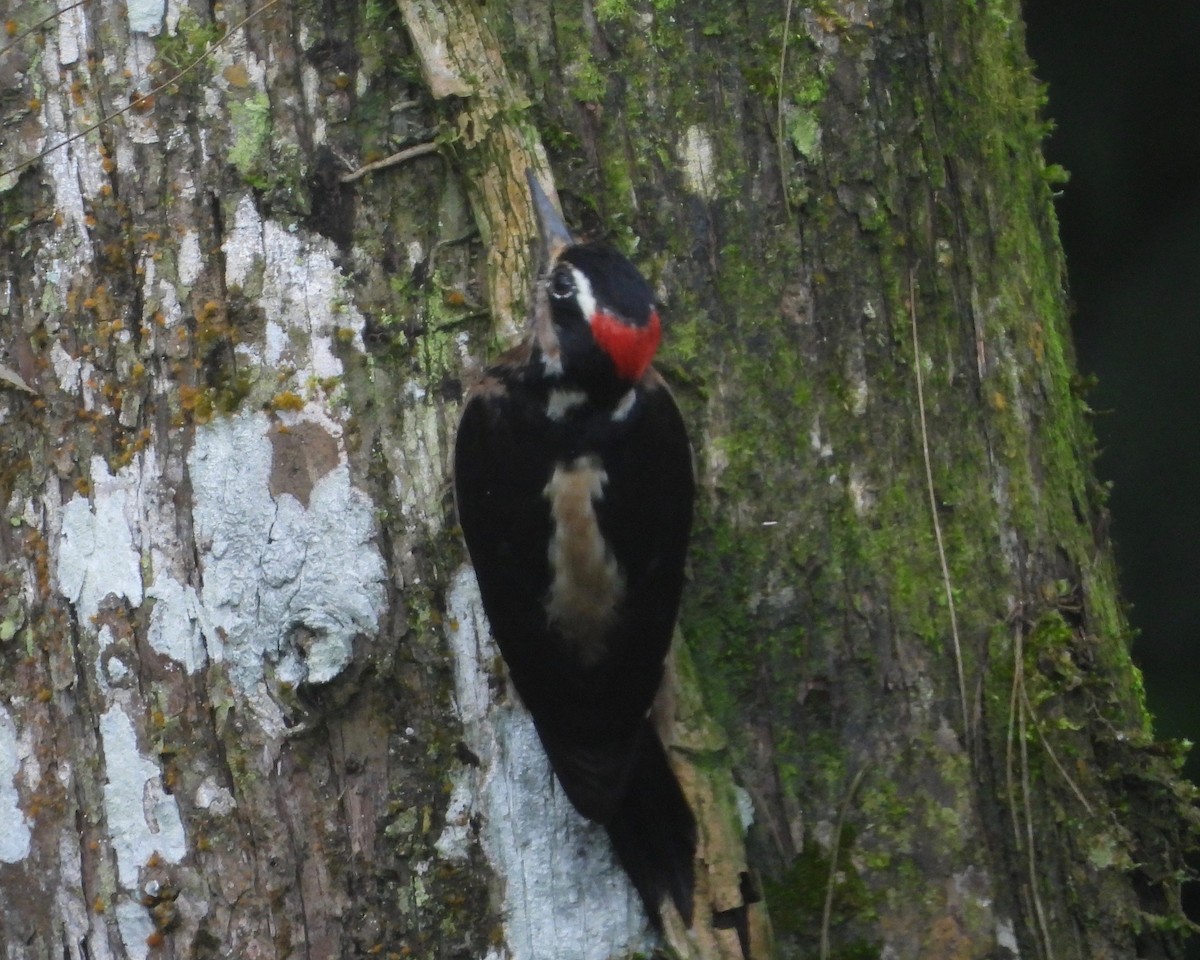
(631,348)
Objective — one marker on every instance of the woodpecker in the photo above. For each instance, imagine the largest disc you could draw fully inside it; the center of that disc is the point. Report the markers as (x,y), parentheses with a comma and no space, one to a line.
(574,484)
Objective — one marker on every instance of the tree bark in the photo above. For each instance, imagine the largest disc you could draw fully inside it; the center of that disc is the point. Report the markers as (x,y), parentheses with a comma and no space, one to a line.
(248,703)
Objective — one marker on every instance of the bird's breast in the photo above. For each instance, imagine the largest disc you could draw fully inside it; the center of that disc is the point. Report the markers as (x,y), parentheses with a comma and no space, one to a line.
(586,582)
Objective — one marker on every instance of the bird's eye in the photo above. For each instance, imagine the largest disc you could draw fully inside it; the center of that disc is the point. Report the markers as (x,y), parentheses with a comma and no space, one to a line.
(562,284)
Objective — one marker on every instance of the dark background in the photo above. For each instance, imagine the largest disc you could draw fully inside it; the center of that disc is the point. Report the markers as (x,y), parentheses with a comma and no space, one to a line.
(1124,87)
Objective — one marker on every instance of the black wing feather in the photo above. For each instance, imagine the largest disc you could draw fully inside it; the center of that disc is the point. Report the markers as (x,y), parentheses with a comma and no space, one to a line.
(592,720)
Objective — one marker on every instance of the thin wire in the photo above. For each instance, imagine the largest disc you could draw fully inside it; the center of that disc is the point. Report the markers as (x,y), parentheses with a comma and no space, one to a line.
(208,51)
(937,527)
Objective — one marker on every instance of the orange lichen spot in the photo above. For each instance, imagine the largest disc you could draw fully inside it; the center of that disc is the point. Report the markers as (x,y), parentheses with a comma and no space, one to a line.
(160,318)
(156,939)
(151,236)
(142,104)
(196,403)
(11,28)
(154,861)
(138,370)
(44,695)
(34,104)
(83,487)
(287,400)
(236,75)
(106,190)
(89,220)
(98,905)
(108,164)
(454,298)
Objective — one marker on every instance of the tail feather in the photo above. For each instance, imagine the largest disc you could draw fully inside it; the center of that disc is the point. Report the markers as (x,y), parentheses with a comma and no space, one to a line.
(653,832)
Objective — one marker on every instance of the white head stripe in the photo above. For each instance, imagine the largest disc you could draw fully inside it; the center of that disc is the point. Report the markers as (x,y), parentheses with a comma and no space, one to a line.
(583,294)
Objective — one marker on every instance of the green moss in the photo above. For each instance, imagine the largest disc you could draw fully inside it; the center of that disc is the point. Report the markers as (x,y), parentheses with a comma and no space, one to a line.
(191,40)
(797,899)
(250,132)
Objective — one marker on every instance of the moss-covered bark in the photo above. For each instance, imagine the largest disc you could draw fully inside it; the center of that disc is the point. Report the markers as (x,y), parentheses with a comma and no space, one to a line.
(247,701)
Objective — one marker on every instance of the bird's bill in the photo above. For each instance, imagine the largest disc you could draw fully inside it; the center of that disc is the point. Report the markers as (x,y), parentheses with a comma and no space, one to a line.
(555,235)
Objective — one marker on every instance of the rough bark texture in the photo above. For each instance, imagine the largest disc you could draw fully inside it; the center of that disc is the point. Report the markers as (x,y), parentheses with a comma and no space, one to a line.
(248,705)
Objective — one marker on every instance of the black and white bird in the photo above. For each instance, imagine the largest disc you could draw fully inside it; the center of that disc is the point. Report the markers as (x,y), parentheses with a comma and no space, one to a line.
(574,483)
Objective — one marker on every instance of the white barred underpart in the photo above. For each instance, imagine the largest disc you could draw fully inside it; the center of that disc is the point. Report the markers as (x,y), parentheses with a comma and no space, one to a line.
(562,402)
(587,584)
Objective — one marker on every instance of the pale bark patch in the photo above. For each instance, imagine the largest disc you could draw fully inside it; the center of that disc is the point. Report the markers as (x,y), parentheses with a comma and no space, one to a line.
(563,895)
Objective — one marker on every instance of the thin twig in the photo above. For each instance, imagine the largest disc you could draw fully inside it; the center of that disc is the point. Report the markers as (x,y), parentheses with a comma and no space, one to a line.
(1031,846)
(937,526)
(779,138)
(1017,732)
(208,51)
(406,154)
(1010,738)
(1050,751)
(827,910)
(41,23)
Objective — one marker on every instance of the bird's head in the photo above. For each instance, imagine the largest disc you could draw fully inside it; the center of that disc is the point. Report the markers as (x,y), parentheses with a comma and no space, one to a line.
(594,321)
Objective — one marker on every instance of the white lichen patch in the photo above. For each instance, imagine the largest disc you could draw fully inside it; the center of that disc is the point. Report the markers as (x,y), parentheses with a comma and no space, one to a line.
(96,555)
(699,165)
(145,16)
(73,911)
(286,586)
(298,287)
(862,496)
(15,828)
(214,798)
(143,819)
(175,623)
(816,440)
(71,35)
(417,464)
(190,261)
(135,927)
(564,896)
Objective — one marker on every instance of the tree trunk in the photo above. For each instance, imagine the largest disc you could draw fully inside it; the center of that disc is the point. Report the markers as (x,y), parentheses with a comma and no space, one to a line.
(248,704)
